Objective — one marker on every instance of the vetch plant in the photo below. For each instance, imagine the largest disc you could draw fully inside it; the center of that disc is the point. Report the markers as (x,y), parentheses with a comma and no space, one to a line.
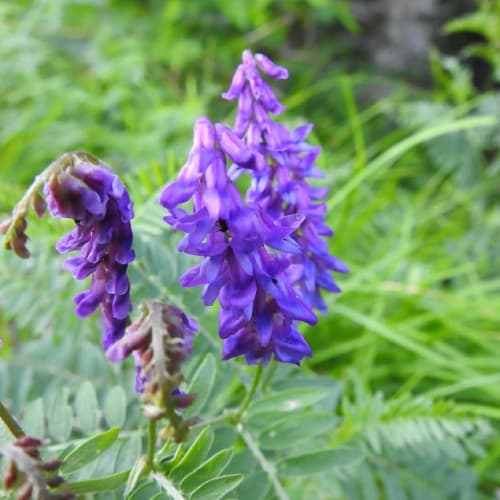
(250,208)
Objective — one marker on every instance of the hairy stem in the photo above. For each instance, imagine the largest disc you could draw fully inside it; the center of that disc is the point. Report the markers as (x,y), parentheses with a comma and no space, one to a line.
(265,465)
(10,422)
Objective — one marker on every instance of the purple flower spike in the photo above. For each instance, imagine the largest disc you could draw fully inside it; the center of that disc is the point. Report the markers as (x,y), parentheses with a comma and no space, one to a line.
(281,187)
(88,192)
(259,307)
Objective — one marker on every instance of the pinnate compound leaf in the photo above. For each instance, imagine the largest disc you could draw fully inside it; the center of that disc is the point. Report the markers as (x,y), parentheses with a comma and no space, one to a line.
(98,485)
(207,470)
(89,450)
(217,488)
(86,407)
(115,406)
(320,461)
(202,384)
(194,456)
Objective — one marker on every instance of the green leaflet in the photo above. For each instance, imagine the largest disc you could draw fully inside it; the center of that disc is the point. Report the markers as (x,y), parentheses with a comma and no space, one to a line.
(207,470)
(86,407)
(321,461)
(217,488)
(194,456)
(89,450)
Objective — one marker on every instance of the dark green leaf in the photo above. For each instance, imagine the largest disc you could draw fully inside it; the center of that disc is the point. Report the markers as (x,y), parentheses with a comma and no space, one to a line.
(89,450)
(320,461)
(207,470)
(217,488)
(301,427)
(289,401)
(194,456)
(97,485)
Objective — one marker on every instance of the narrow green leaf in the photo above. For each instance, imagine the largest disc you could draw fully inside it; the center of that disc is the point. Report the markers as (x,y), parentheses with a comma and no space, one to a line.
(217,488)
(254,486)
(194,456)
(33,421)
(97,485)
(60,416)
(86,407)
(320,461)
(202,383)
(289,401)
(89,450)
(207,470)
(135,474)
(301,427)
(145,490)
(115,406)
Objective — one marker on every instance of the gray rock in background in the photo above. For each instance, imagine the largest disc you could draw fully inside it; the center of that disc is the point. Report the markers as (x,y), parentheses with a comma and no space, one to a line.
(397,34)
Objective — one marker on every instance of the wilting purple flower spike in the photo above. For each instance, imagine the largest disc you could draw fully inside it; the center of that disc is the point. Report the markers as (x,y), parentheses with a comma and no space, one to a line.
(88,192)
(160,340)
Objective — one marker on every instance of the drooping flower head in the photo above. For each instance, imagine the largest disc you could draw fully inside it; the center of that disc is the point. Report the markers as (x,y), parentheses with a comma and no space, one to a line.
(281,186)
(29,475)
(160,341)
(88,192)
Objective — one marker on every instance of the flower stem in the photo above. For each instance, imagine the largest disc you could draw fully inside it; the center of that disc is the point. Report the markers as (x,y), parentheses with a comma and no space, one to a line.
(10,422)
(251,393)
(151,445)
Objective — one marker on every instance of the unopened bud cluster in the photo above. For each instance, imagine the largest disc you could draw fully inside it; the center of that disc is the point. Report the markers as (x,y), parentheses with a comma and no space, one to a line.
(28,474)
(160,341)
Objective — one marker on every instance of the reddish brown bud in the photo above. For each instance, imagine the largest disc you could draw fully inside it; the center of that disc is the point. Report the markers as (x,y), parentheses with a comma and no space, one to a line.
(28,442)
(10,477)
(55,481)
(51,465)
(39,205)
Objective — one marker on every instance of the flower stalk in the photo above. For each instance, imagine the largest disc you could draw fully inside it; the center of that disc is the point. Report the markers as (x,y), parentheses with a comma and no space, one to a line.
(10,422)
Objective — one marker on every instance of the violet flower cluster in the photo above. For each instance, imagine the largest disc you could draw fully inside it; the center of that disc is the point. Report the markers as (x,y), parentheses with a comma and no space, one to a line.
(264,257)
(88,192)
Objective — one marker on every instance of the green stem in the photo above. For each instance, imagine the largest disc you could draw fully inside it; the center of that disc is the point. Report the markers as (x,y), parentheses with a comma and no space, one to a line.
(151,445)
(251,393)
(265,465)
(10,422)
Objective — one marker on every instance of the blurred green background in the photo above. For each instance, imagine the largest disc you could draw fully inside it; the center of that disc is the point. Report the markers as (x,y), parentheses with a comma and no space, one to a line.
(405,104)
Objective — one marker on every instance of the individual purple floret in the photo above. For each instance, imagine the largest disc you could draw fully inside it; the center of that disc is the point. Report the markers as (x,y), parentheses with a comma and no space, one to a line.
(242,249)
(280,187)
(88,192)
